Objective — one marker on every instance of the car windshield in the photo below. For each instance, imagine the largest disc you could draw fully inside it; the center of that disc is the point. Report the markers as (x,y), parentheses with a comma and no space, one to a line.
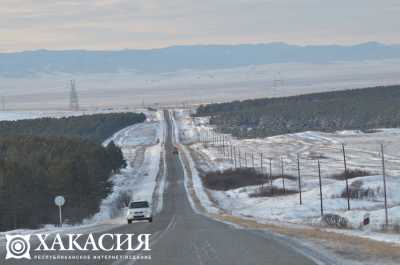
(143,204)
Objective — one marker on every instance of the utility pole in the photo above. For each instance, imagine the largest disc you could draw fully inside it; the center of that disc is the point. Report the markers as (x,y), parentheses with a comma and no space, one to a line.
(270,176)
(231,152)
(346,178)
(384,185)
(240,158)
(234,154)
(73,97)
(223,144)
(320,188)
(277,82)
(3,103)
(299,175)
(283,175)
(261,162)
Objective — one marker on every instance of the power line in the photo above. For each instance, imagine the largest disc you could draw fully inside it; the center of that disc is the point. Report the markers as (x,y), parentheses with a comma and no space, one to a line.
(73,97)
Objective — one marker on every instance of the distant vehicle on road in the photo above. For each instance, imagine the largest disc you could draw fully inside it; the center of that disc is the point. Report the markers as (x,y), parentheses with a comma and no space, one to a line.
(175,151)
(139,210)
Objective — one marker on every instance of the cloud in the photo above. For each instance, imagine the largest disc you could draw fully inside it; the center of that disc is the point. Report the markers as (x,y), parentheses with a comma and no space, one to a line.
(117,24)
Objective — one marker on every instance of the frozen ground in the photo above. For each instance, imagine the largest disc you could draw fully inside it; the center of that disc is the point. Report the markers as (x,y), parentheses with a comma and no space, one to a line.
(12,115)
(362,153)
(174,88)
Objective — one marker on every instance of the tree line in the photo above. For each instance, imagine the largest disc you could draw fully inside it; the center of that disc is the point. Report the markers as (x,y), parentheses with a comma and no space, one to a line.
(95,127)
(43,158)
(357,109)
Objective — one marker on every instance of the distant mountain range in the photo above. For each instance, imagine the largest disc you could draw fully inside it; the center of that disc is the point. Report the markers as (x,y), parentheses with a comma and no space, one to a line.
(199,57)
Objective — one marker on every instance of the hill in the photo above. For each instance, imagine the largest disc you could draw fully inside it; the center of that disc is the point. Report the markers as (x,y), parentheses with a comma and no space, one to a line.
(358,109)
(198,57)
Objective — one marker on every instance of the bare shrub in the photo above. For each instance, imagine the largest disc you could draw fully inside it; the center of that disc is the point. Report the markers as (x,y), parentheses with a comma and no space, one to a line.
(351,173)
(396,228)
(335,220)
(267,191)
(356,191)
(371,131)
(233,178)
(314,155)
(123,200)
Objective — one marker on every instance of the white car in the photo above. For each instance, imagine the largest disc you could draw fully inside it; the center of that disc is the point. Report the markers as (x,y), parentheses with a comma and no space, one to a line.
(139,210)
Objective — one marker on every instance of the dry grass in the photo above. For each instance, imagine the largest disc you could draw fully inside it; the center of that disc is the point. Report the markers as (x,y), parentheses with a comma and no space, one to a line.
(267,191)
(353,247)
(351,173)
(233,178)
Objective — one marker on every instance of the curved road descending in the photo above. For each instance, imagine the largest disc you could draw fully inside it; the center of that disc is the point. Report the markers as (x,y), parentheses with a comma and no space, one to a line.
(182,237)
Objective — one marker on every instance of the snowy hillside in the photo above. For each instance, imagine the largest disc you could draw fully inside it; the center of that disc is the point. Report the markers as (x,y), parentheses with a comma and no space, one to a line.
(362,153)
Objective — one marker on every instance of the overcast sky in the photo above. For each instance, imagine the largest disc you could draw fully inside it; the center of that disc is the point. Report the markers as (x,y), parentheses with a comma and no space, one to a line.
(119,24)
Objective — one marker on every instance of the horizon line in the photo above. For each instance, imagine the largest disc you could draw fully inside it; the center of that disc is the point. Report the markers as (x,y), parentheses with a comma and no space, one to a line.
(206,45)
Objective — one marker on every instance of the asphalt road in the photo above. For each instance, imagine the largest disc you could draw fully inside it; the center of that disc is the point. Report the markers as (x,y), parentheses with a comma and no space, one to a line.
(182,237)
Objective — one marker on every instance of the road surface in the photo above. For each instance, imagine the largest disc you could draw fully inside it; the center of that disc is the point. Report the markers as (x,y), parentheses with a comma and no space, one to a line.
(182,237)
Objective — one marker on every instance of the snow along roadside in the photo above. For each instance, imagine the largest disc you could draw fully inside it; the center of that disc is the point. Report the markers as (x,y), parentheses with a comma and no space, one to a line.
(195,185)
(142,145)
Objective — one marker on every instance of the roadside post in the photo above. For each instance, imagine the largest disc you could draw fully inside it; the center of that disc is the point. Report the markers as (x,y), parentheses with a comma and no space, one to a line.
(366,220)
(59,201)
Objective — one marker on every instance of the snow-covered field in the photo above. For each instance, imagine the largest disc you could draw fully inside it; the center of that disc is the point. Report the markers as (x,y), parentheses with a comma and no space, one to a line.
(51,91)
(35,114)
(362,152)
